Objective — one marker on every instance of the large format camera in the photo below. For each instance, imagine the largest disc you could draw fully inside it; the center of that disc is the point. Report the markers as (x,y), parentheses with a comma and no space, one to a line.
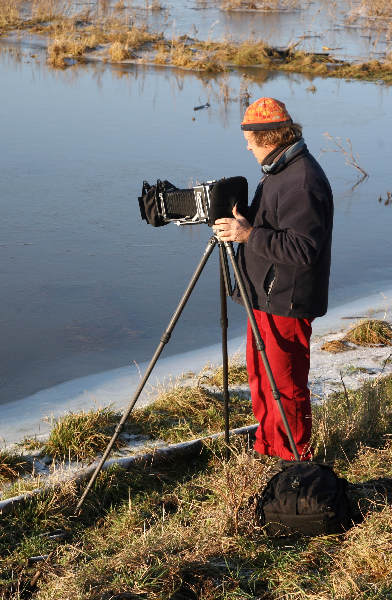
(164,203)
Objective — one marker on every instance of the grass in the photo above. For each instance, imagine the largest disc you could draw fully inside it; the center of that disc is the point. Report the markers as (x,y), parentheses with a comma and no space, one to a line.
(81,435)
(335,346)
(347,419)
(31,443)
(177,413)
(237,374)
(187,529)
(371,332)
(185,412)
(13,465)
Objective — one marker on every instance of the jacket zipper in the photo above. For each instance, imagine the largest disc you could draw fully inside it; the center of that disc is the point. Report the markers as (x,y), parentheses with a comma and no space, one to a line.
(271,286)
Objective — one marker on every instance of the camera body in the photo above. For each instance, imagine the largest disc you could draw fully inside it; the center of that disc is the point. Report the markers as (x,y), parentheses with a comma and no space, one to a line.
(164,203)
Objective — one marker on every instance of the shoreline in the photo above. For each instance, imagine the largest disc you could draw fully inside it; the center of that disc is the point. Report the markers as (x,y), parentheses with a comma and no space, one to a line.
(32,415)
(189,54)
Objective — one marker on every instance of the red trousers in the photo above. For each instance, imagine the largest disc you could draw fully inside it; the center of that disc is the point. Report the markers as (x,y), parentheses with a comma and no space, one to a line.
(286,342)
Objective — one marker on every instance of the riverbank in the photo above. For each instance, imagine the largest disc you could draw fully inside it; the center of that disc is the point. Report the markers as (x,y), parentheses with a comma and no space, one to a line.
(32,415)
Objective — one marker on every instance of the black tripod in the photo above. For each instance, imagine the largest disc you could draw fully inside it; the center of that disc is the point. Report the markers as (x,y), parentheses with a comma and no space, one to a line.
(225,248)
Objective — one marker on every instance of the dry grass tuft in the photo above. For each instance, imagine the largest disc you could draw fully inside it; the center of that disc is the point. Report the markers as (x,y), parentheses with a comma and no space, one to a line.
(335,346)
(162,54)
(181,55)
(154,5)
(65,48)
(371,332)
(364,562)
(13,466)
(119,52)
(350,418)
(81,435)
(372,463)
(185,412)
(31,443)
(340,567)
(237,374)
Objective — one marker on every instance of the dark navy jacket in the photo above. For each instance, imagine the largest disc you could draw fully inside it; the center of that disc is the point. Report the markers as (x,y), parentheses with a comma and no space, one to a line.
(286,261)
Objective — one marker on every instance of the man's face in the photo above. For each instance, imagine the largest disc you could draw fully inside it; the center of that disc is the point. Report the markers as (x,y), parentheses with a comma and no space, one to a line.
(259,152)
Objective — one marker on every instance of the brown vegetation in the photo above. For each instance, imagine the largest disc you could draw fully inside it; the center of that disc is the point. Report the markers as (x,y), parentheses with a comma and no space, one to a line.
(260,5)
(119,52)
(374,8)
(71,35)
(13,465)
(237,373)
(371,332)
(335,346)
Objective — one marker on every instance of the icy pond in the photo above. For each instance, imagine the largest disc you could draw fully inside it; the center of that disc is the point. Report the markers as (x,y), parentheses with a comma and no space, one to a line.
(86,286)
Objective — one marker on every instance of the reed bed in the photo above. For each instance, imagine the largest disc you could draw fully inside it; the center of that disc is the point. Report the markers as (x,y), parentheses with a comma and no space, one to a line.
(108,32)
(260,5)
(374,8)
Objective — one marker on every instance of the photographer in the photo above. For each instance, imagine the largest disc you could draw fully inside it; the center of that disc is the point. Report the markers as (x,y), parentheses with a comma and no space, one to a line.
(284,255)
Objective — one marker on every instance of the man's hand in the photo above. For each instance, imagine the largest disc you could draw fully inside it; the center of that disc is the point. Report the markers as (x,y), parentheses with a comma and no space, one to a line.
(233,230)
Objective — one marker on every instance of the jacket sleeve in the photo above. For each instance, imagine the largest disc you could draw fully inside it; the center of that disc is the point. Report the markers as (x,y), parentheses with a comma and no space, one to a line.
(305,220)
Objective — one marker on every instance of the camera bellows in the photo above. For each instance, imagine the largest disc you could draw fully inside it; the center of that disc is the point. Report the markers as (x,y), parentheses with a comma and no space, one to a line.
(180,204)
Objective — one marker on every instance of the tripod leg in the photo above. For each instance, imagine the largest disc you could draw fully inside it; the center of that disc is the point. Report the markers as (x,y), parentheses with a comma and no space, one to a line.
(260,346)
(225,269)
(225,361)
(164,340)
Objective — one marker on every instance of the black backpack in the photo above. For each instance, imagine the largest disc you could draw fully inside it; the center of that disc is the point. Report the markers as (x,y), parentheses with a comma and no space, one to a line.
(306,498)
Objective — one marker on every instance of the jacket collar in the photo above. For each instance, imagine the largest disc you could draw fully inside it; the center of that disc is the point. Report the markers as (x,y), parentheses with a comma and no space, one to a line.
(284,158)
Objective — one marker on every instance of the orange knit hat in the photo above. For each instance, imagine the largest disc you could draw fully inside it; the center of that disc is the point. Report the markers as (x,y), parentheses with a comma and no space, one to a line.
(265,113)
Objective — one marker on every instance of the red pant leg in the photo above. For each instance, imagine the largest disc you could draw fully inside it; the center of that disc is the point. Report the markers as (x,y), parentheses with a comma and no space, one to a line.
(287,342)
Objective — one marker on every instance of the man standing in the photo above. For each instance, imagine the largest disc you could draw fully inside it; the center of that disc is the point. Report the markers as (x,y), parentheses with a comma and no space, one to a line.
(284,255)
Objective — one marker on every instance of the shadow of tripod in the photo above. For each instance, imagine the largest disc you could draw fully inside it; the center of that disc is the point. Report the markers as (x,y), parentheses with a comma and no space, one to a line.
(225,250)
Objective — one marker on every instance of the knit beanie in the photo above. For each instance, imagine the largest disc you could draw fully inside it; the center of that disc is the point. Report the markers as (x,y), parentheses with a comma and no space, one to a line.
(264,114)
